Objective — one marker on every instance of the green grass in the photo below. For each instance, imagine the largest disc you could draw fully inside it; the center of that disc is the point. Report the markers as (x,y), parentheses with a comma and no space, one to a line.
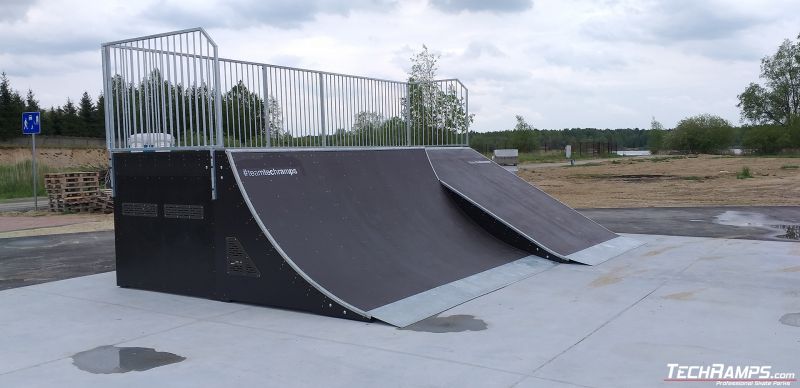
(16,179)
(744,173)
(790,167)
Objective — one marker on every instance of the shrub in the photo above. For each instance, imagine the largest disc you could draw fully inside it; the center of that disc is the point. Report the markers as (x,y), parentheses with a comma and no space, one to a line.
(701,134)
(744,173)
(766,139)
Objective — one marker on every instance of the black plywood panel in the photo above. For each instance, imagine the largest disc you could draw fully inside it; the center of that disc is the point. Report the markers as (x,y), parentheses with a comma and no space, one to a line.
(370,226)
(516,202)
(155,252)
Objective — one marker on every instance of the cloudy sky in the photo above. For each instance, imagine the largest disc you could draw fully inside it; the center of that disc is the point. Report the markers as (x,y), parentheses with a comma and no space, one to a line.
(558,63)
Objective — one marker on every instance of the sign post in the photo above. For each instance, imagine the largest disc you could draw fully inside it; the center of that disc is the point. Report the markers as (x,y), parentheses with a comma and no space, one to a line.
(31,125)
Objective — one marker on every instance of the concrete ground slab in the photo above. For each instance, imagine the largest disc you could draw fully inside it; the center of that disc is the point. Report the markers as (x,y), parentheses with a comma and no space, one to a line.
(675,299)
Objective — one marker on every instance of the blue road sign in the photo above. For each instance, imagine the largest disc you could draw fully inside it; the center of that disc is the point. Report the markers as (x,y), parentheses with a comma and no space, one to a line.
(31,124)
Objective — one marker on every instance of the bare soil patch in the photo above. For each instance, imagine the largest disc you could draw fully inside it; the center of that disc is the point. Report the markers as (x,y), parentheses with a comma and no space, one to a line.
(704,180)
(57,157)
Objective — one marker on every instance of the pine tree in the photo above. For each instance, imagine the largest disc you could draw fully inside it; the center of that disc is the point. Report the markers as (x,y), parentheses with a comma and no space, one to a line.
(72,125)
(5,106)
(11,108)
(86,113)
(31,103)
(100,115)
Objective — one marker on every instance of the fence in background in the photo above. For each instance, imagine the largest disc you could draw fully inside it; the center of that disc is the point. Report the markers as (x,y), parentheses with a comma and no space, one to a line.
(173,91)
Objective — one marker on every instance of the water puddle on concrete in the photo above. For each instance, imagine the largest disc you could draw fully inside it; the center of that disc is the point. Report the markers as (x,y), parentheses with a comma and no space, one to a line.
(791,319)
(450,324)
(780,228)
(112,359)
(792,231)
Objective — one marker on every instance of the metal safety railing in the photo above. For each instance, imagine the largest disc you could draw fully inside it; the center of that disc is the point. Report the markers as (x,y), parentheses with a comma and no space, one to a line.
(172,91)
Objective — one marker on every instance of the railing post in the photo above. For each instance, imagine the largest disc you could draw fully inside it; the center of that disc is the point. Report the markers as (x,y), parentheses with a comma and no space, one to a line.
(466,104)
(266,105)
(218,99)
(322,109)
(107,98)
(408,114)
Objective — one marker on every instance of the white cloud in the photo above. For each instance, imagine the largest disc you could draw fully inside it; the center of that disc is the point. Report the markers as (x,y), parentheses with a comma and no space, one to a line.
(560,64)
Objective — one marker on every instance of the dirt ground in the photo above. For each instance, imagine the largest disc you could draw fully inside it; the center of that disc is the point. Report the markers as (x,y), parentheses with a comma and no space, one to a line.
(24,224)
(57,157)
(703,180)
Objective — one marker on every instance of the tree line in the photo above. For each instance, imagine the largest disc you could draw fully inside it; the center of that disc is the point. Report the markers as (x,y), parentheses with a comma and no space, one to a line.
(82,119)
(526,138)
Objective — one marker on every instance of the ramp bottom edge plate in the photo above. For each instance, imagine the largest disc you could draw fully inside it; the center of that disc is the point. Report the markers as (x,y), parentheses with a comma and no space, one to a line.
(605,251)
(417,307)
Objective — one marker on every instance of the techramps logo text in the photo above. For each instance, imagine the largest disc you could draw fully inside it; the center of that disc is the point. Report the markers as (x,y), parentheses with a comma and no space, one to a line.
(730,375)
(269,172)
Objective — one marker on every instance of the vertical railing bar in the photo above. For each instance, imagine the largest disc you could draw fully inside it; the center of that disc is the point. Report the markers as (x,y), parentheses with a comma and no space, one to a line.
(146,89)
(205,85)
(217,98)
(466,108)
(302,94)
(104,58)
(189,92)
(119,64)
(350,111)
(307,108)
(251,112)
(230,95)
(122,100)
(230,140)
(265,107)
(110,66)
(258,107)
(281,88)
(238,97)
(134,94)
(145,96)
(255,110)
(155,113)
(162,87)
(408,114)
(354,136)
(197,133)
(202,88)
(342,137)
(245,112)
(170,87)
(296,132)
(182,93)
(268,113)
(174,95)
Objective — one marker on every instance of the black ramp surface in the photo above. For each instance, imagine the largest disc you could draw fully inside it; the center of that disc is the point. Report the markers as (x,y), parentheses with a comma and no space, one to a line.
(371,227)
(541,218)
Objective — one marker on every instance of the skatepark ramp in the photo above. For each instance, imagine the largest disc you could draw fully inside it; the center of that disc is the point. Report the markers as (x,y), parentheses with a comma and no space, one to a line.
(340,195)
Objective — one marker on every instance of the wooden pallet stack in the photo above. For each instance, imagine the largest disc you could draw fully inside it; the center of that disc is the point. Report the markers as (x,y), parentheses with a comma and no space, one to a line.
(104,202)
(74,192)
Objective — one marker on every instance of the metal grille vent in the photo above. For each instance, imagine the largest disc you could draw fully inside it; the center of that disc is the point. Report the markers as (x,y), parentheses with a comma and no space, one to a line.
(186,212)
(139,209)
(239,262)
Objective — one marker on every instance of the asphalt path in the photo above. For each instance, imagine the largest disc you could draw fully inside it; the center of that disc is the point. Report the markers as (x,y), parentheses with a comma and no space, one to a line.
(39,259)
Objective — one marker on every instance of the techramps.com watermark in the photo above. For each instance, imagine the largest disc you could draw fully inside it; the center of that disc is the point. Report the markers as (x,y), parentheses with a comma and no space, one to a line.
(730,375)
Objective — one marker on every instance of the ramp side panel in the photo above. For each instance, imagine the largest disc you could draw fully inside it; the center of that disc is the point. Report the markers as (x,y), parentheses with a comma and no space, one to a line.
(529,210)
(275,283)
(371,227)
